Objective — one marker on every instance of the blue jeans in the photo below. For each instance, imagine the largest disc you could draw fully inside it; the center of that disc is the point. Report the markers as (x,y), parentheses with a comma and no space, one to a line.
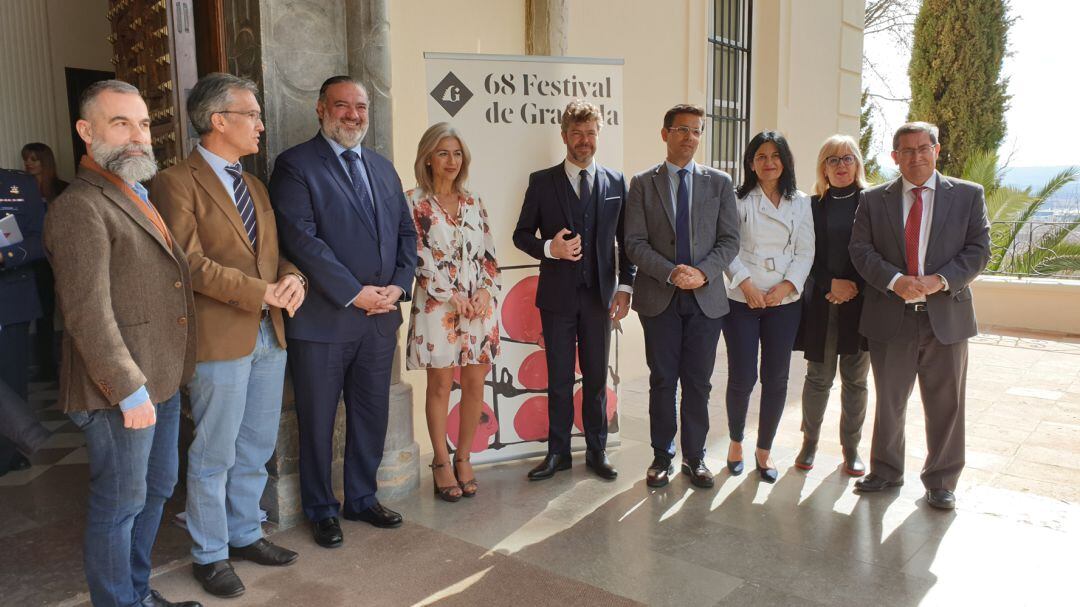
(775,329)
(132,473)
(236,406)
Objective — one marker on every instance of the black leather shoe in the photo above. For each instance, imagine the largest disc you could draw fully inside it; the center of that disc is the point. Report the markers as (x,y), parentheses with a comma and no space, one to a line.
(805,459)
(852,464)
(552,463)
(263,552)
(699,473)
(874,483)
(598,462)
(659,472)
(769,475)
(942,499)
(327,532)
(377,515)
(735,467)
(218,578)
(154,599)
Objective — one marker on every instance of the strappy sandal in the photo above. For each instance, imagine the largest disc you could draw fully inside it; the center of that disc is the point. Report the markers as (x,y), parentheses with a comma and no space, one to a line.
(469,487)
(451,493)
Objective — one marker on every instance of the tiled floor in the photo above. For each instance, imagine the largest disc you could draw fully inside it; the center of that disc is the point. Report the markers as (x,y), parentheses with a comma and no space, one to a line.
(577,540)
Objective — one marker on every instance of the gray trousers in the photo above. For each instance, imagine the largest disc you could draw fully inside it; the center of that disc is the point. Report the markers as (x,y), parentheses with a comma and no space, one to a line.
(853,391)
(915,353)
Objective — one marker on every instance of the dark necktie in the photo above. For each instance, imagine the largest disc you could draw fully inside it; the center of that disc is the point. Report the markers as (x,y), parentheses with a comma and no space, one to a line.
(356,174)
(583,187)
(682,221)
(911,233)
(242,198)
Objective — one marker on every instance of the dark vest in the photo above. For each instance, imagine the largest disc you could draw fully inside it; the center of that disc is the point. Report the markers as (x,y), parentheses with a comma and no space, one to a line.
(585,223)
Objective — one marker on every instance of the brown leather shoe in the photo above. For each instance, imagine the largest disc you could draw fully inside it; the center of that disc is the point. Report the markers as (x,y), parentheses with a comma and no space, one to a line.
(699,473)
(659,472)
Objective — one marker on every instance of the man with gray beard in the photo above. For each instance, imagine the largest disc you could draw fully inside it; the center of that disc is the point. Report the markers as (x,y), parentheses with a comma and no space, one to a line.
(343,220)
(123,286)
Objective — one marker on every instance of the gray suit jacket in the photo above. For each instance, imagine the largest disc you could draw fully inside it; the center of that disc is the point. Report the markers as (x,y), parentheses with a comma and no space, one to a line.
(958,250)
(650,237)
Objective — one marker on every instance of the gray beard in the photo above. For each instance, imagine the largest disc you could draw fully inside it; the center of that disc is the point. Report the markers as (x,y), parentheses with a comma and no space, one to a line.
(132,169)
(342,137)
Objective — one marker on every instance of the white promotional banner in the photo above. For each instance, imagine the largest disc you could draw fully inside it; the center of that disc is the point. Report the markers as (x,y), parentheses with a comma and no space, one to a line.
(508,109)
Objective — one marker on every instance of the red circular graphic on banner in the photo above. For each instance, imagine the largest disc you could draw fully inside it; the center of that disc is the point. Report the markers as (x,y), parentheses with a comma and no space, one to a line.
(612,407)
(531,419)
(533,372)
(487,428)
(520,317)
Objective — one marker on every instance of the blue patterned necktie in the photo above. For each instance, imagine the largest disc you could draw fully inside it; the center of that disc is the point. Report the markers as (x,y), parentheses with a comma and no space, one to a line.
(682,222)
(356,174)
(242,198)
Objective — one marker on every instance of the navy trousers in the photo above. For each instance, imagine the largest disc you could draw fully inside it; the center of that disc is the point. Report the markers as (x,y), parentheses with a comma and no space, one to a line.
(680,348)
(589,329)
(322,373)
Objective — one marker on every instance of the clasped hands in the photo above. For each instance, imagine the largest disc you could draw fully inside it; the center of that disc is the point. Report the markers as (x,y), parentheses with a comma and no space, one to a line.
(912,287)
(566,248)
(687,277)
(841,291)
(378,300)
(755,298)
(287,294)
(473,307)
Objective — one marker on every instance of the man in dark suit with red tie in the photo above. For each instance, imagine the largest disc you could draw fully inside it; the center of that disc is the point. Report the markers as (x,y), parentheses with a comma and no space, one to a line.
(919,242)
(577,207)
(343,220)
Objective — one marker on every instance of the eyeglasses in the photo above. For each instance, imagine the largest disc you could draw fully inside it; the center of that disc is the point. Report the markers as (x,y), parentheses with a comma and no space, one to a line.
(684,131)
(834,161)
(922,150)
(253,115)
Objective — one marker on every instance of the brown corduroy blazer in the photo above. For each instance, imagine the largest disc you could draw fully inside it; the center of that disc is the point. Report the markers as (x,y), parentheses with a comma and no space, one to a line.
(125,295)
(228,276)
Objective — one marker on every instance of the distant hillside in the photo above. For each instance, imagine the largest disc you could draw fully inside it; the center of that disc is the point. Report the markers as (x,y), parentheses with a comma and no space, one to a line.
(1034,177)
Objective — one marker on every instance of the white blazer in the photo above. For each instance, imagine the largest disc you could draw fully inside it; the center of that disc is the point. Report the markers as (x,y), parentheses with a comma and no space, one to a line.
(775,244)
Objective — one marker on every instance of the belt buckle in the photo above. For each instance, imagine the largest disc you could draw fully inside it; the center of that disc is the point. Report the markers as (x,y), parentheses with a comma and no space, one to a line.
(770,264)
(918,307)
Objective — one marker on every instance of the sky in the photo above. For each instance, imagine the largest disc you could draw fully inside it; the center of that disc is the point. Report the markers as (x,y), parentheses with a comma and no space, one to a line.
(1043,120)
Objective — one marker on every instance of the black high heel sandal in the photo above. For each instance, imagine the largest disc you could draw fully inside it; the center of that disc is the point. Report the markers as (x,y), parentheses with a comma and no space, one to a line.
(469,487)
(448,493)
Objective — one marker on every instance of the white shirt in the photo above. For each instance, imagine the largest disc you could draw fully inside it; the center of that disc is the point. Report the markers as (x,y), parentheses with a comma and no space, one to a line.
(573,175)
(924,227)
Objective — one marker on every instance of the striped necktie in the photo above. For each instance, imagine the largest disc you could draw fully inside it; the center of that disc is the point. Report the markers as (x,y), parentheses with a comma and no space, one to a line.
(242,198)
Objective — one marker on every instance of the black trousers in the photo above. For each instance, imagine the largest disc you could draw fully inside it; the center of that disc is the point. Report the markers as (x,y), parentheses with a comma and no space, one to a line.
(680,348)
(15,372)
(588,329)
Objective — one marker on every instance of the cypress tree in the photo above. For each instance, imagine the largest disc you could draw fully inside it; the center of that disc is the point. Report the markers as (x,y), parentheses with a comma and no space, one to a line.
(955,75)
(866,141)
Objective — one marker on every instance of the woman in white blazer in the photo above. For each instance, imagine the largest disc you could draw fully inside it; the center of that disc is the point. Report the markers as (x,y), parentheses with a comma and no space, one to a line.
(766,279)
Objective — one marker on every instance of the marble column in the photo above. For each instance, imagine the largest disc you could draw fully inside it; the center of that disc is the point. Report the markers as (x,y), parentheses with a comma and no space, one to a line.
(547,25)
(289,47)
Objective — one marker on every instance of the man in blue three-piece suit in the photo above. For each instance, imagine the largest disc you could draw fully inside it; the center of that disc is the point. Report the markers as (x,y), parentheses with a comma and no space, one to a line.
(19,304)
(577,207)
(343,220)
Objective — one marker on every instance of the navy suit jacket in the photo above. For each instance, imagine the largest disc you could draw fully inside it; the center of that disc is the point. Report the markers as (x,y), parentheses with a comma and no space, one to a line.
(547,209)
(19,196)
(324,232)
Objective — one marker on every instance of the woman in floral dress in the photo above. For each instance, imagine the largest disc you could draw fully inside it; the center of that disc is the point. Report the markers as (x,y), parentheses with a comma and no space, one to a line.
(453,322)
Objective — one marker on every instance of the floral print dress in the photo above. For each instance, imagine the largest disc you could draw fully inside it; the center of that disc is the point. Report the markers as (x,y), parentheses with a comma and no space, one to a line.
(455,255)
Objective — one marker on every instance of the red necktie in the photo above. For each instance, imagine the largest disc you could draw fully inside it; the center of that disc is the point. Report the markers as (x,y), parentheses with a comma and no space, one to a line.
(911,233)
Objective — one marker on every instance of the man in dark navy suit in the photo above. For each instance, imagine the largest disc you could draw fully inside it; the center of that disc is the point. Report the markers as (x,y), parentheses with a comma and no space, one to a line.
(343,220)
(577,207)
(19,304)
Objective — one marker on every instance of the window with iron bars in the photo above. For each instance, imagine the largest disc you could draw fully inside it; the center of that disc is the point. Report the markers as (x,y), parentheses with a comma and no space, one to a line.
(728,112)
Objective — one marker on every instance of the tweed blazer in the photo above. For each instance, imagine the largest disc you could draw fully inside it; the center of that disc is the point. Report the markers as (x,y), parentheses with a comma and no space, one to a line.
(125,295)
(228,276)
(650,237)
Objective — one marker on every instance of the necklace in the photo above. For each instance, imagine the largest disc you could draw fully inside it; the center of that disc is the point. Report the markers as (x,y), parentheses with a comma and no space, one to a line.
(835,197)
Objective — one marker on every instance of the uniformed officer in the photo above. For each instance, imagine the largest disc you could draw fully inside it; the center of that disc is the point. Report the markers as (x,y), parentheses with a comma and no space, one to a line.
(19,303)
